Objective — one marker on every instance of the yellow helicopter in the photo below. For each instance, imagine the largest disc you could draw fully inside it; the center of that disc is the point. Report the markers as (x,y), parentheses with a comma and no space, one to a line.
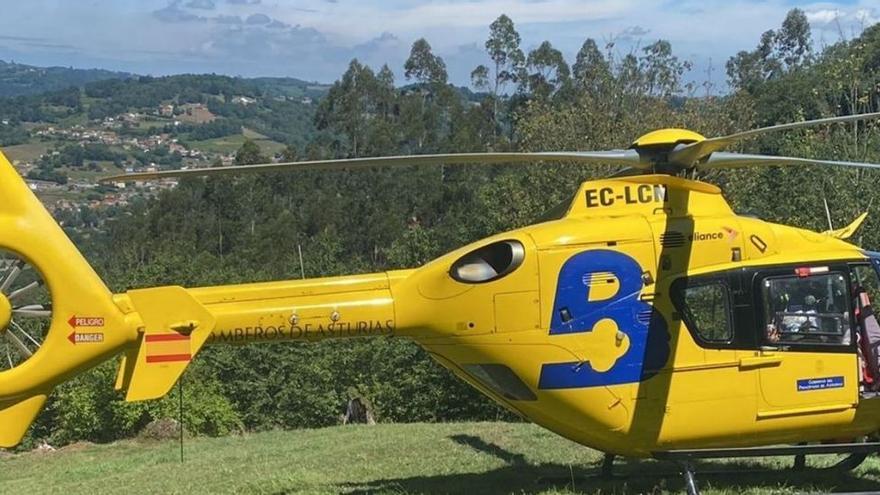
(641,318)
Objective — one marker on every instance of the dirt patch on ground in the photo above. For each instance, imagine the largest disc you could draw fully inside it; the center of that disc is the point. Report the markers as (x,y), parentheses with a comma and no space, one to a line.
(160,429)
(196,113)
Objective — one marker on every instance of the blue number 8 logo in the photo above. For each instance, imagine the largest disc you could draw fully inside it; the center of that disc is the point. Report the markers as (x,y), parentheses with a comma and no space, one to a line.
(577,310)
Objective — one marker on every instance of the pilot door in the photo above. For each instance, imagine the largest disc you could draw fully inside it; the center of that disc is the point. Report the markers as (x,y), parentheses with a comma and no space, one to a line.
(806,340)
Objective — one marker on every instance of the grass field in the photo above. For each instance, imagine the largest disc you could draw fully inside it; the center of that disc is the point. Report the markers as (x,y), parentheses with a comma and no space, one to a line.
(27,152)
(471,458)
(230,144)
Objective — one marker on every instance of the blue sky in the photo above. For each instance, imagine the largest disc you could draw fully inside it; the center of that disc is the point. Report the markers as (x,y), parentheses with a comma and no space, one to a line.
(315,39)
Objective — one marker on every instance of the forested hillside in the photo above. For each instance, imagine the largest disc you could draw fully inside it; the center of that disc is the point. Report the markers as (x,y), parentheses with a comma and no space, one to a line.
(19,79)
(63,139)
(277,106)
(250,228)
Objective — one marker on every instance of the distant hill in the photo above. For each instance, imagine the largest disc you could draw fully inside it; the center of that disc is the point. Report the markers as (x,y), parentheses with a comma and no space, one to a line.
(206,112)
(20,79)
(290,87)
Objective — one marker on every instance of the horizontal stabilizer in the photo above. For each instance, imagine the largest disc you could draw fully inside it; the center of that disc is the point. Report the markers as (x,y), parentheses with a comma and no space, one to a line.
(16,417)
(849,230)
(176,327)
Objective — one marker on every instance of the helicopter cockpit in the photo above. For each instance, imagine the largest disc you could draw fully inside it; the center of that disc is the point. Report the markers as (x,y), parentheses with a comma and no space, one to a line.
(807,308)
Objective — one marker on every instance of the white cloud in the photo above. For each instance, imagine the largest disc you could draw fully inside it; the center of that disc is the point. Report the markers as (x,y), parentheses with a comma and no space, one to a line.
(315,39)
(823,16)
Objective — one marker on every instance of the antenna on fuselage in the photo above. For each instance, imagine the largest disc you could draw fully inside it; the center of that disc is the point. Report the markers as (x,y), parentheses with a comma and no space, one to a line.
(827,212)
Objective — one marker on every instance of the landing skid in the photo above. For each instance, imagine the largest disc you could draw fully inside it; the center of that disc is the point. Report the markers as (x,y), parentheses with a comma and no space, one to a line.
(857,453)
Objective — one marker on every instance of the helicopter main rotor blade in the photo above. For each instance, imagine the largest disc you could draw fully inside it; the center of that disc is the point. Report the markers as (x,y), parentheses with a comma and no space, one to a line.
(688,155)
(726,159)
(629,158)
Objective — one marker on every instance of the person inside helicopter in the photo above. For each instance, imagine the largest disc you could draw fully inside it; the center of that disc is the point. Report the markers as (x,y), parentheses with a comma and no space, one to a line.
(807,310)
(868,340)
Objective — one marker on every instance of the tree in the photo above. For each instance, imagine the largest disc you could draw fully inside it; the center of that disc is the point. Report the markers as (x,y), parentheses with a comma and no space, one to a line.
(508,58)
(549,71)
(383,135)
(385,92)
(349,105)
(289,153)
(793,43)
(777,53)
(591,71)
(629,75)
(745,70)
(249,154)
(480,78)
(661,69)
(423,66)
(503,48)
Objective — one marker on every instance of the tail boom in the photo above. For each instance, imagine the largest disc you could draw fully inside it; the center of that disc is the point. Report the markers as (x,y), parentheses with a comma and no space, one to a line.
(174,323)
(157,331)
(337,307)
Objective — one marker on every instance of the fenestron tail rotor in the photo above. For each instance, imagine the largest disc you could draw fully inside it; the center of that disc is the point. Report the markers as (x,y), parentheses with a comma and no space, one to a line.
(57,318)
(25,310)
(663,151)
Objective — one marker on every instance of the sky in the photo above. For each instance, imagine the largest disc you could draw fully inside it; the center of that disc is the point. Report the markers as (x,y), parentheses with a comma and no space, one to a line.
(315,39)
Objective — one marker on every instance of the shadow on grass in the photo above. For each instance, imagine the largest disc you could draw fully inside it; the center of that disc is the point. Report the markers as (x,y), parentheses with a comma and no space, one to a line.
(631,477)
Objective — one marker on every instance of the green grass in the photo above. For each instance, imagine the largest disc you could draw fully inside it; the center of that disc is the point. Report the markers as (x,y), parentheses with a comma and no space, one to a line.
(471,458)
(252,134)
(106,168)
(154,123)
(27,152)
(230,144)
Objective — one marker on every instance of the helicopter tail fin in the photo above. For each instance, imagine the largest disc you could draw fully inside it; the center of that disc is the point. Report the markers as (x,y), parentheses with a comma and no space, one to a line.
(849,230)
(175,327)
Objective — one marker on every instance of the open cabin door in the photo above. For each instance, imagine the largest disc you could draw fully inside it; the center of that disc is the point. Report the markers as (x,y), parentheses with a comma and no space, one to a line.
(866,290)
(807,355)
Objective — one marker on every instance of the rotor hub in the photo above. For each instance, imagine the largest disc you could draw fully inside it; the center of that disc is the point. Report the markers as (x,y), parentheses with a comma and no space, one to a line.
(667,137)
(5,313)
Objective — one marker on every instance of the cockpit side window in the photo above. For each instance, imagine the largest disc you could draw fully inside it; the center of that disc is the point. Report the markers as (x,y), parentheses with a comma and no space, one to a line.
(489,262)
(705,304)
(807,309)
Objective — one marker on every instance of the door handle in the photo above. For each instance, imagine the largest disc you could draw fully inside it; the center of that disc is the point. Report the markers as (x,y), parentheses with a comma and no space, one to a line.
(759,362)
(772,348)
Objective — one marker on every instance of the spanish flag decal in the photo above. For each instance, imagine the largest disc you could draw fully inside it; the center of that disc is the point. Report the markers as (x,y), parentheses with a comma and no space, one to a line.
(168,348)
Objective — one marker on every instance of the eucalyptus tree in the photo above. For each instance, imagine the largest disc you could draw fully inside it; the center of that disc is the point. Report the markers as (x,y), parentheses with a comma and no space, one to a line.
(591,71)
(548,71)
(503,47)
